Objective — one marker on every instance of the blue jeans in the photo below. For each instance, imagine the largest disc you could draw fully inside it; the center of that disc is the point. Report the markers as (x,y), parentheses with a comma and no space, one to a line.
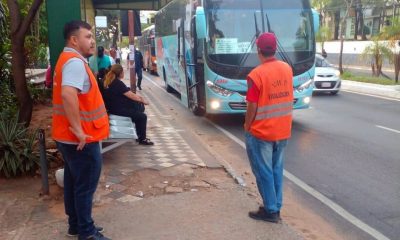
(266,160)
(81,175)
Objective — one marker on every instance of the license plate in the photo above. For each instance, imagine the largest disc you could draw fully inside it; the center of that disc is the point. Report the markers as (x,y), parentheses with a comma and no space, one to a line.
(326,84)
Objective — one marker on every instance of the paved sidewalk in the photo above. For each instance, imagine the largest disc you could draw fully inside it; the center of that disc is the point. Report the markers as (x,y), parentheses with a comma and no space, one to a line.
(392,91)
(173,190)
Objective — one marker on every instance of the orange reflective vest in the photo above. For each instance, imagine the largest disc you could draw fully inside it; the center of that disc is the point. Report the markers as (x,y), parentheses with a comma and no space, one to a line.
(94,119)
(273,120)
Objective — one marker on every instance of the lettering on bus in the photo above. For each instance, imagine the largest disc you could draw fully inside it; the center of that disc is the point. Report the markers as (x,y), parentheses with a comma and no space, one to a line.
(221,81)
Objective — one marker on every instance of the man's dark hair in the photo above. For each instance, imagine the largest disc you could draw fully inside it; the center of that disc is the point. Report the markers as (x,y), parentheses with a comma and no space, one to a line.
(267,54)
(71,27)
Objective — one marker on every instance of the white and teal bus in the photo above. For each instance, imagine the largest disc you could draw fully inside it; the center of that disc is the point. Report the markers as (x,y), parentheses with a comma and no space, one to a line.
(206,48)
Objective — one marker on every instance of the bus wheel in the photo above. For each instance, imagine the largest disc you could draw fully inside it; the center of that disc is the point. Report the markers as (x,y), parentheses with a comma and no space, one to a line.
(198,111)
(168,88)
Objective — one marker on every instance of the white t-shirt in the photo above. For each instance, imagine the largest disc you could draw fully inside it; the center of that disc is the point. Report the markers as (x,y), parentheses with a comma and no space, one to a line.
(74,73)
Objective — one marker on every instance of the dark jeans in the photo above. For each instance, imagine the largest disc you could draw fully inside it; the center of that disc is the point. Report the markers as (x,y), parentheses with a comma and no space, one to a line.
(139,118)
(139,77)
(81,176)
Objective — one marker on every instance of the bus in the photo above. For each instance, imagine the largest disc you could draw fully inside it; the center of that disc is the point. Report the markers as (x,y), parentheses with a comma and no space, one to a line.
(147,47)
(205,49)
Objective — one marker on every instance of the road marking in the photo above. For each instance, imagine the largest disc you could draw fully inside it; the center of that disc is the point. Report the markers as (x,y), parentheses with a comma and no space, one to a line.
(388,129)
(370,95)
(329,203)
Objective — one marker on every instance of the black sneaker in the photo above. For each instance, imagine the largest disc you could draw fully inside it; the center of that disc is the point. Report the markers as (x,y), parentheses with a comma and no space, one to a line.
(278,212)
(263,215)
(96,236)
(73,232)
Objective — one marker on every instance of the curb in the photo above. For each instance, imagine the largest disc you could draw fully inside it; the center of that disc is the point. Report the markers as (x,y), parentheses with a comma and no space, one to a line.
(391,91)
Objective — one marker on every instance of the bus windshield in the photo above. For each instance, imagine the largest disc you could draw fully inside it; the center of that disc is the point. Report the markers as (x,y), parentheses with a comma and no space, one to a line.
(234,24)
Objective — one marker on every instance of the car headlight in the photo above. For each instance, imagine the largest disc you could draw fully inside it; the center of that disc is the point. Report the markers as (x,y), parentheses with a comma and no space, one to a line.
(219,90)
(304,86)
(337,73)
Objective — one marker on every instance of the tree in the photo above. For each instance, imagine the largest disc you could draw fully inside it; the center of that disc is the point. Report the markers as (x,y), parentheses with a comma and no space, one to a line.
(323,35)
(349,4)
(321,5)
(392,33)
(108,36)
(376,52)
(19,27)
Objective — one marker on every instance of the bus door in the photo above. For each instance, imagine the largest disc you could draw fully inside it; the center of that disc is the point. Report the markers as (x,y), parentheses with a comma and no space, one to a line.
(182,64)
(195,70)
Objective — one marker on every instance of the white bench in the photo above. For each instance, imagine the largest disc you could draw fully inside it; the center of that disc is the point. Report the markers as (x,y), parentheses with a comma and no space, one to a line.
(122,130)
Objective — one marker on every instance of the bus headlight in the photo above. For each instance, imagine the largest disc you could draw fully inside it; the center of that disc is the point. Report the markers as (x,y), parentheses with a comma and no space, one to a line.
(307,100)
(215,104)
(304,86)
(219,90)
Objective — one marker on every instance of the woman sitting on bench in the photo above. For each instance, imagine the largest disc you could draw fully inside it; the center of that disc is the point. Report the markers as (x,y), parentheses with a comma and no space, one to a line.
(119,100)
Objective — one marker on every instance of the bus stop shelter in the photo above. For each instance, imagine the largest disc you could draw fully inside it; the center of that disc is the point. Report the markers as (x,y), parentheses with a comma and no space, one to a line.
(60,12)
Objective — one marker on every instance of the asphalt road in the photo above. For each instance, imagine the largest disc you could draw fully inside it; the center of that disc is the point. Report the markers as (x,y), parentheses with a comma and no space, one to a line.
(347,148)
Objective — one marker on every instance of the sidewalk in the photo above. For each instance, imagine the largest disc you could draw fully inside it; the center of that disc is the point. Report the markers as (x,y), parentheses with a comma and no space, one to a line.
(173,190)
(392,91)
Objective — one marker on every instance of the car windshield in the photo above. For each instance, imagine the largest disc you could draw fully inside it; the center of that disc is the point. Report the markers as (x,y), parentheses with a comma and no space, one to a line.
(233,25)
(322,62)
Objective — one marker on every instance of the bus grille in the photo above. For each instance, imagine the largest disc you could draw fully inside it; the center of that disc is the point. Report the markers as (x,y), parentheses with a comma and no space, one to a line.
(238,105)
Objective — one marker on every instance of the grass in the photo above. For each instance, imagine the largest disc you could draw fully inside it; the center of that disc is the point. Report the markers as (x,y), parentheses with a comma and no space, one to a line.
(368,79)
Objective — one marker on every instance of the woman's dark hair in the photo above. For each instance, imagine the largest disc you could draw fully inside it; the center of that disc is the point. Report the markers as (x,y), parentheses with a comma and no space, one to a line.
(100,51)
(71,27)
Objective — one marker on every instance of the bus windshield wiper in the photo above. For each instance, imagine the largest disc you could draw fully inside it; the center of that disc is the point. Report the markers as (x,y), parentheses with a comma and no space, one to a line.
(253,41)
(281,51)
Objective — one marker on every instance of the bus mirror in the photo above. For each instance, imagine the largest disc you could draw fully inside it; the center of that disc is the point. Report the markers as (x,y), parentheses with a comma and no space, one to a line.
(315,20)
(200,23)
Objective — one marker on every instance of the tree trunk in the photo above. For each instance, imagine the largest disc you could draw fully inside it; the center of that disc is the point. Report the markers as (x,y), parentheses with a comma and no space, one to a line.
(337,23)
(19,27)
(21,87)
(356,23)
(397,66)
(341,54)
(363,35)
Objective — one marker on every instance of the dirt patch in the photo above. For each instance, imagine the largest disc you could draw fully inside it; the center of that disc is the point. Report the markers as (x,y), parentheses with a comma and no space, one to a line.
(149,183)
(42,118)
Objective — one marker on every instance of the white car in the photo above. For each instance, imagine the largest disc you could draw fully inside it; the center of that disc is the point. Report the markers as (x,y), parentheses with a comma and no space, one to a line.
(327,78)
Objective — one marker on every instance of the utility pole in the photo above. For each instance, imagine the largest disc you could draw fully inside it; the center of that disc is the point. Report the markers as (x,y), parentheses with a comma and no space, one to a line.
(131,64)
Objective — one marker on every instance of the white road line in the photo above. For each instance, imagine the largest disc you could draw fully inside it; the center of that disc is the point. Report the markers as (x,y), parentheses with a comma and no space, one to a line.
(332,205)
(329,203)
(371,95)
(388,129)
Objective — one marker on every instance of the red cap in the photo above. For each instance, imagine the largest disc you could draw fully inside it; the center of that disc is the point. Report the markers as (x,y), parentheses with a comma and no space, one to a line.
(266,42)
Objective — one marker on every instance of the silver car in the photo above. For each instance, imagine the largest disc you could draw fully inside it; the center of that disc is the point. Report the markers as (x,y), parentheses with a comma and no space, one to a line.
(327,78)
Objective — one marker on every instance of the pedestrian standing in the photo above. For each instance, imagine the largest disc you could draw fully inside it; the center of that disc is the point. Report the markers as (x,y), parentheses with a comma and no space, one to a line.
(268,125)
(80,121)
(138,68)
(118,55)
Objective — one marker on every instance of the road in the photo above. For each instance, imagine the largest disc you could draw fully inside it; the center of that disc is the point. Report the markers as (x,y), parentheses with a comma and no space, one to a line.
(346,147)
